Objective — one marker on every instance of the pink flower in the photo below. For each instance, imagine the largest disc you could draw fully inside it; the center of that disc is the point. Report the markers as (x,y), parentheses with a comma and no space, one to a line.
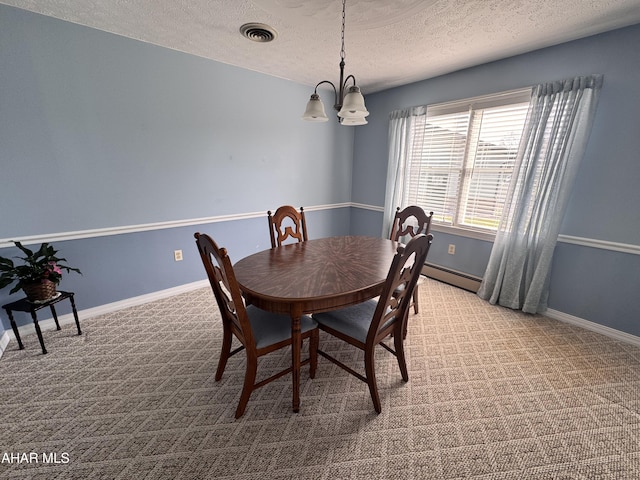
(55,268)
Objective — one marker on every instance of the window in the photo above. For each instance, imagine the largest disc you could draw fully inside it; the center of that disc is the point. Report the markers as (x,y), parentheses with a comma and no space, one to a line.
(462,156)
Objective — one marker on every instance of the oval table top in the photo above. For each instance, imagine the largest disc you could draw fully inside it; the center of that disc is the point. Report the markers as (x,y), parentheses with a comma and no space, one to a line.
(316,275)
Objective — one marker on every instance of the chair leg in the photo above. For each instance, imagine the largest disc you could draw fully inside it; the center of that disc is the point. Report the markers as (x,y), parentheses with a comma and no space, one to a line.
(398,343)
(405,324)
(249,382)
(314,342)
(369,366)
(415,297)
(227,338)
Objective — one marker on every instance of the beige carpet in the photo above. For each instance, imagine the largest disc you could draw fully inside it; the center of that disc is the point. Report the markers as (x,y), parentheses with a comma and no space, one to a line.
(492,394)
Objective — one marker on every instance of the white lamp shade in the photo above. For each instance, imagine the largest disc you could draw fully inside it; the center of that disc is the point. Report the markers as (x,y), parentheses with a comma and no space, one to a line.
(315,110)
(353,121)
(353,105)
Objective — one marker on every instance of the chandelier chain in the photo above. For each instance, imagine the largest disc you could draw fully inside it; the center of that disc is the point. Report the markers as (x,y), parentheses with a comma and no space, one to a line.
(342,55)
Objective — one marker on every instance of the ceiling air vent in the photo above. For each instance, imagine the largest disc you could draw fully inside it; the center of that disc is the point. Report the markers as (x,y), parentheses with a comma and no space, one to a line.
(258,32)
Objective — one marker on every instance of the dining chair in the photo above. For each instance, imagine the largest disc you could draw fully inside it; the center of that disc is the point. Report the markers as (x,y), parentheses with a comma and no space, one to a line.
(367,324)
(411,221)
(258,331)
(287,222)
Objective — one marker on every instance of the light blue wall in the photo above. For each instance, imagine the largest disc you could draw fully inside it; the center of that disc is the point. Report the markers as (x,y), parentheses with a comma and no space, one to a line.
(592,284)
(99,131)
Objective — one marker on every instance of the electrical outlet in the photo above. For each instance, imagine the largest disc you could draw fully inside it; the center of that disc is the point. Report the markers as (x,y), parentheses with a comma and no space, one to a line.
(177,255)
(452,249)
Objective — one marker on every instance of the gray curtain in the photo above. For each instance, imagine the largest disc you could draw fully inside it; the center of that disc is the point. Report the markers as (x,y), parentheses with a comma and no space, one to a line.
(552,146)
(400,145)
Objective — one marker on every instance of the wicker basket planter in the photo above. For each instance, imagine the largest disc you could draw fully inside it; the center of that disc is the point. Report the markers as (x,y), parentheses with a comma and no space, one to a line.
(38,273)
(37,292)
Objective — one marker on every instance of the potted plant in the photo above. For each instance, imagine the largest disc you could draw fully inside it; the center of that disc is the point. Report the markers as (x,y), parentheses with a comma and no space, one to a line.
(38,275)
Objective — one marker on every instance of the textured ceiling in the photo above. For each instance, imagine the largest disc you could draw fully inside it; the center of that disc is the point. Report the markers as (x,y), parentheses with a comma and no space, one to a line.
(387,42)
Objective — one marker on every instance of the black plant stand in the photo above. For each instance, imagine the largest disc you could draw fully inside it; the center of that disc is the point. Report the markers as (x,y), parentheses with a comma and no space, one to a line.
(25,305)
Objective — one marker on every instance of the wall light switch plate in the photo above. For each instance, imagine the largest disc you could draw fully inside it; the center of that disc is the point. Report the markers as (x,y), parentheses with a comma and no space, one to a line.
(177,255)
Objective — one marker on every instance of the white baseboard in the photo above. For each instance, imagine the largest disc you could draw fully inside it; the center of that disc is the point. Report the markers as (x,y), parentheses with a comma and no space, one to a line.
(594,327)
(49,324)
(4,341)
(452,277)
(140,300)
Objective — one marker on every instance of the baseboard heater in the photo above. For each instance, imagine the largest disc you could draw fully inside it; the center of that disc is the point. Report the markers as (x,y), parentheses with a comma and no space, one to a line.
(452,277)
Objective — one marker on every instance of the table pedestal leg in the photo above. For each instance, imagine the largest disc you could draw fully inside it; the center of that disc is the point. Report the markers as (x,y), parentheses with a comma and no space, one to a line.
(296,346)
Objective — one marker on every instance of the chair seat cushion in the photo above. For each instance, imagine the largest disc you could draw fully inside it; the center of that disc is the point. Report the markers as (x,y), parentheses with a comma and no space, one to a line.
(353,321)
(269,328)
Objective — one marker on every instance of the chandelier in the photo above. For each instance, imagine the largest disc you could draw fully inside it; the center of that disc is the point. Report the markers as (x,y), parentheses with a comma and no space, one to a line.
(350,107)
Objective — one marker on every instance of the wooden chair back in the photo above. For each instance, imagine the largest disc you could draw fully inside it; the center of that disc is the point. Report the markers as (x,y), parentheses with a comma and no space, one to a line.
(287,223)
(225,288)
(272,330)
(391,311)
(368,324)
(410,221)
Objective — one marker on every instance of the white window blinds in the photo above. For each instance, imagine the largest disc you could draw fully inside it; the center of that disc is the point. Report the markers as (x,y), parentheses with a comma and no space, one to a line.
(462,157)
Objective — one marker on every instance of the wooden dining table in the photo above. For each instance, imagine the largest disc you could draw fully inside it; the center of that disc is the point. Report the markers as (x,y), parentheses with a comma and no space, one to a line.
(314,276)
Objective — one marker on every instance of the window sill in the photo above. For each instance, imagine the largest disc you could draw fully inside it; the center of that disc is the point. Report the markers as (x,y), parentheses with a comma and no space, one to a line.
(464,232)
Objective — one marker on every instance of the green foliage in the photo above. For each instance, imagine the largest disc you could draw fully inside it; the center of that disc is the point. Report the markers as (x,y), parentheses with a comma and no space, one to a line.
(36,266)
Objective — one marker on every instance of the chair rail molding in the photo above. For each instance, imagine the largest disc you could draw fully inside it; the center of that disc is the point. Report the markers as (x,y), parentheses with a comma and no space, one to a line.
(601,244)
(105,232)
